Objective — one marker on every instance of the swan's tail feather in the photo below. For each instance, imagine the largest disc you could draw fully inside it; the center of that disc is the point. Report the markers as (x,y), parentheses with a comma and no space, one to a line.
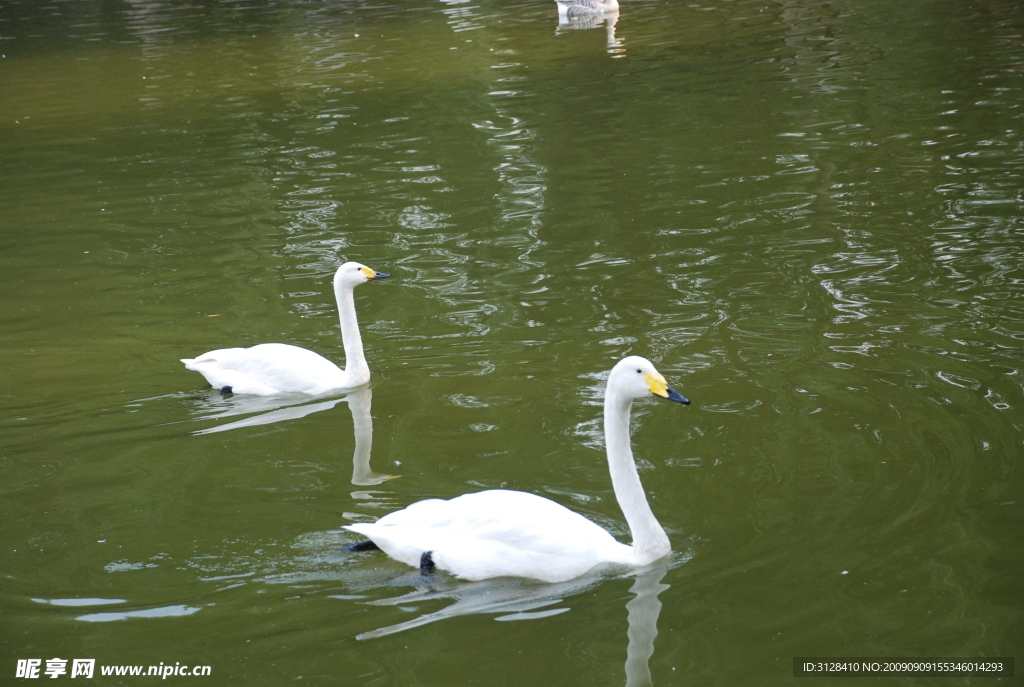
(190,363)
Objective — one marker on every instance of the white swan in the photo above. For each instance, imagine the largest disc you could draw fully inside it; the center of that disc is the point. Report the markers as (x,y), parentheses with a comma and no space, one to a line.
(280,368)
(511,533)
(576,8)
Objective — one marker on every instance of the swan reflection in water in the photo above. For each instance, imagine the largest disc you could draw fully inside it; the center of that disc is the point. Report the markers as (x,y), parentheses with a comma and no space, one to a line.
(520,599)
(271,409)
(591,14)
(362,423)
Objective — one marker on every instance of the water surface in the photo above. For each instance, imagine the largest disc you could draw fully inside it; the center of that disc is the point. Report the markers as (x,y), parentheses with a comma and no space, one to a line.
(807,214)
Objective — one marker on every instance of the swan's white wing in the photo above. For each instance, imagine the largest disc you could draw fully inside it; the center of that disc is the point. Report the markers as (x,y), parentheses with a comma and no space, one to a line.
(496,533)
(268,369)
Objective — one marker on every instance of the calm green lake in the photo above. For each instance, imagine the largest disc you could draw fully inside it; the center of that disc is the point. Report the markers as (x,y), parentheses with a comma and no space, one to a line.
(807,214)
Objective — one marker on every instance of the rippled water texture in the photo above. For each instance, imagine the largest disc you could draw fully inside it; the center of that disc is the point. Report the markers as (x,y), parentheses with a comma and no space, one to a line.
(807,214)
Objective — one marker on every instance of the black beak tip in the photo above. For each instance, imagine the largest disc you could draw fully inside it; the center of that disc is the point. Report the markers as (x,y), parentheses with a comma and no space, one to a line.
(674,395)
(380,275)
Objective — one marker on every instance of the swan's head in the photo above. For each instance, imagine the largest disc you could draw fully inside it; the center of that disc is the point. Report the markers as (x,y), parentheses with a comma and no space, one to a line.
(353,274)
(636,377)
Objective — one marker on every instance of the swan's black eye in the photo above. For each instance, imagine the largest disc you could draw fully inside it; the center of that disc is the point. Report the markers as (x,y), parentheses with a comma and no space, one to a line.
(638,372)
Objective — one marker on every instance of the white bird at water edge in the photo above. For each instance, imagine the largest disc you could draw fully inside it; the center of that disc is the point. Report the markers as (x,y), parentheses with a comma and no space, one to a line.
(591,14)
(500,533)
(576,8)
(281,368)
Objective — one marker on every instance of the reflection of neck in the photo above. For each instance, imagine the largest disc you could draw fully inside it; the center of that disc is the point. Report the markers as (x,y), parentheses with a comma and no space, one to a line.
(649,540)
(643,611)
(355,364)
(362,423)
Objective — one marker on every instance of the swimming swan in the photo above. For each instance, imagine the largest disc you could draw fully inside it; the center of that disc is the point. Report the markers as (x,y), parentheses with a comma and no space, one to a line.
(576,8)
(501,533)
(280,368)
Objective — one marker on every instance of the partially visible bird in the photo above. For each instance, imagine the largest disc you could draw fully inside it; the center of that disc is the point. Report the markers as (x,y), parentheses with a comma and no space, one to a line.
(282,368)
(579,8)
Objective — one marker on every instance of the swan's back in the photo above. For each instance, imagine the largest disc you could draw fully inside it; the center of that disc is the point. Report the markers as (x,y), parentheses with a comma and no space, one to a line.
(494,534)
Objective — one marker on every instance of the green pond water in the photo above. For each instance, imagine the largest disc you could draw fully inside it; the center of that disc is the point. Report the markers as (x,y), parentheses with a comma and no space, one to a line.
(807,214)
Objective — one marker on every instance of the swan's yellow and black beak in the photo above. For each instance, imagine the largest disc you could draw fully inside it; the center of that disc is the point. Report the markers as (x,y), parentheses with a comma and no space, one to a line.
(372,274)
(659,387)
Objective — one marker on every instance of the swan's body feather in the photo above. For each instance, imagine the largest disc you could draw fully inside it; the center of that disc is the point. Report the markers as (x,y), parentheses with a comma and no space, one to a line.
(281,368)
(501,533)
(271,369)
(497,533)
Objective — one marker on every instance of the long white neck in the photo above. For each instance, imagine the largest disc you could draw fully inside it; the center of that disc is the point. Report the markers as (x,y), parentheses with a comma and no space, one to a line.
(649,540)
(356,369)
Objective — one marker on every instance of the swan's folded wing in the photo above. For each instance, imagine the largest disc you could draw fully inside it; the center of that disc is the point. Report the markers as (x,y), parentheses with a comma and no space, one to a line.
(220,370)
(268,368)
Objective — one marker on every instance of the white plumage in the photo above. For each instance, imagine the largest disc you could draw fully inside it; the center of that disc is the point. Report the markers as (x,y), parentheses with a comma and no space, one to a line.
(511,533)
(578,8)
(282,368)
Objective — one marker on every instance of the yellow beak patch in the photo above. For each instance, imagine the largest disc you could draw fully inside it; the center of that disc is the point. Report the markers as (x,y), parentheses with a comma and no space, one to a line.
(657,384)
(370,274)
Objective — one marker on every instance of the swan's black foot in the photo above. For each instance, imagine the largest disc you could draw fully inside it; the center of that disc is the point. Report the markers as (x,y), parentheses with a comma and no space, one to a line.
(367,545)
(426,564)
(224,391)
